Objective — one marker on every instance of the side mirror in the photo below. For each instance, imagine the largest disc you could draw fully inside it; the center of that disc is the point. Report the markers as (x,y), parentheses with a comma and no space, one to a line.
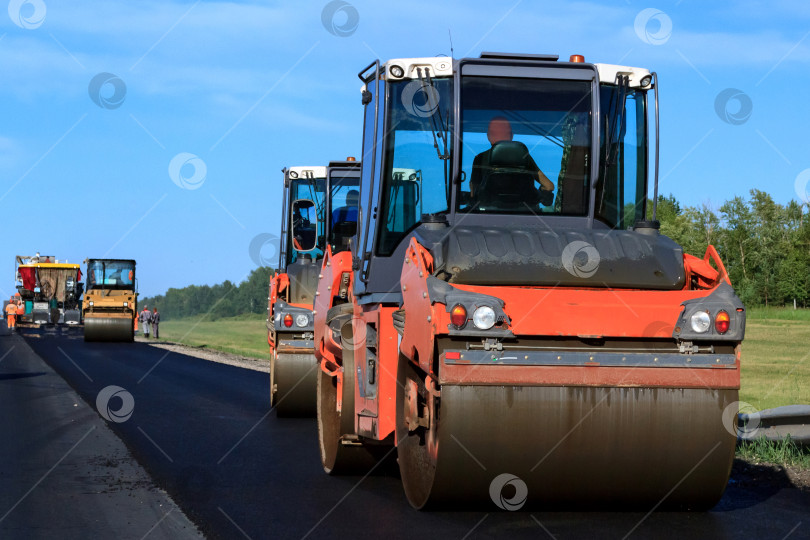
(304,225)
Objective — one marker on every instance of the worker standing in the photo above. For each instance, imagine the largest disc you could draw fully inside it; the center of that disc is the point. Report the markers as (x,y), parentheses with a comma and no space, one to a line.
(146,320)
(11,315)
(155,323)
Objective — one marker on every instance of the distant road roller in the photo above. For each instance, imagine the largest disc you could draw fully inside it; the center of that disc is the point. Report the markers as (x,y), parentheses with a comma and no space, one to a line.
(513,316)
(111,301)
(319,212)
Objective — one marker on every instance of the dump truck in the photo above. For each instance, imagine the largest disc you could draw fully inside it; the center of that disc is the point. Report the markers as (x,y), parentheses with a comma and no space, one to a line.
(50,290)
(319,209)
(110,303)
(515,325)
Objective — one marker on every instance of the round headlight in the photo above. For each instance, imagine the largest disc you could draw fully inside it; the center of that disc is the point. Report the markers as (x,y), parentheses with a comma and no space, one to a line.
(396,71)
(293,175)
(301,320)
(700,322)
(484,318)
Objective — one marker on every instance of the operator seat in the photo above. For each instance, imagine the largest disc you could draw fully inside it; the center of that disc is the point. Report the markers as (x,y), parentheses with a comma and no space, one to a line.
(507,184)
(344,227)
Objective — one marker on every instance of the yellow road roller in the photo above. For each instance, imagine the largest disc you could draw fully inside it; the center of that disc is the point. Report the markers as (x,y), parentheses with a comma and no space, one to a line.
(111,300)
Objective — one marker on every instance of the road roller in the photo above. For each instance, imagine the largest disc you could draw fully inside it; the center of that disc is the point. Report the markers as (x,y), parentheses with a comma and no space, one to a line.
(319,215)
(110,303)
(514,323)
(49,291)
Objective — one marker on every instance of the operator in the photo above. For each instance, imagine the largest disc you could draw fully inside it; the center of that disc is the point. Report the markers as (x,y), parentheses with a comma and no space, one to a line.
(501,130)
(348,212)
(11,315)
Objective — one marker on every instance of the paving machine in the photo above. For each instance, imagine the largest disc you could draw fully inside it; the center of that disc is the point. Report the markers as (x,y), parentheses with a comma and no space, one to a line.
(111,302)
(50,291)
(311,222)
(513,321)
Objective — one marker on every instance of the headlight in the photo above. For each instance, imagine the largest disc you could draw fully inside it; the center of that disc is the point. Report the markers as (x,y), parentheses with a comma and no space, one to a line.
(700,322)
(91,303)
(301,320)
(484,318)
(126,304)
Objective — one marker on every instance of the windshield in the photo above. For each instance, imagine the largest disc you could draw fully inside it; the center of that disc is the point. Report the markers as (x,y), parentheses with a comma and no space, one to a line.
(312,189)
(621,196)
(344,194)
(416,174)
(110,274)
(526,145)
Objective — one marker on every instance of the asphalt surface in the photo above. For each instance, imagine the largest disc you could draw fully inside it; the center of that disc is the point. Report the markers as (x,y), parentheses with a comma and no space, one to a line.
(205,434)
(63,472)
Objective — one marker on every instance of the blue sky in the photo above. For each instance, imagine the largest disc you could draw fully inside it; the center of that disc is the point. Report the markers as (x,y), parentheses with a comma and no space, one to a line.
(251,87)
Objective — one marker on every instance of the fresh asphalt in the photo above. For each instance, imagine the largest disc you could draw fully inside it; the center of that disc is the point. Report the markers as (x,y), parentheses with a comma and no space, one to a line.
(205,434)
(63,472)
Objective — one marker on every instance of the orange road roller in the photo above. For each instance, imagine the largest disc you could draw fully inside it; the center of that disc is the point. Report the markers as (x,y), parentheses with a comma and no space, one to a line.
(509,317)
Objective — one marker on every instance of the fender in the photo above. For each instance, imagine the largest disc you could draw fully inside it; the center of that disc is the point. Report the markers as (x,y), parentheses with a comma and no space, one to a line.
(328,350)
(420,322)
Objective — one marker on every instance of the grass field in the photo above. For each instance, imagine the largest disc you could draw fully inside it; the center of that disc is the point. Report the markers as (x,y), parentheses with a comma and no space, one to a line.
(245,335)
(775,358)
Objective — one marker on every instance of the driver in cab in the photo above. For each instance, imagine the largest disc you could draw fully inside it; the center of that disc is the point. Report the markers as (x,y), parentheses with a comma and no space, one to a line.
(500,130)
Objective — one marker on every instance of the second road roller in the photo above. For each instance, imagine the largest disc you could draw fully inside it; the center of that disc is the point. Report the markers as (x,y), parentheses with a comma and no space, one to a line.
(320,209)
(515,324)
(110,302)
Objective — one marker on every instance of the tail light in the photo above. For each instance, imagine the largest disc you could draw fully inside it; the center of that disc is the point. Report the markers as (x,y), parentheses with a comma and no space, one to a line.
(722,322)
(458,316)
(288,320)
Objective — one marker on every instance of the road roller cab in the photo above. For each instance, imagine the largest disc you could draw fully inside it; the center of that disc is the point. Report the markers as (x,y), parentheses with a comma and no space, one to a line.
(319,218)
(111,302)
(514,309)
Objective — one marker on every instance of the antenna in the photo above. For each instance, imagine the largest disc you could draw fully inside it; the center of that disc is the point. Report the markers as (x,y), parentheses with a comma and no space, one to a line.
(451,43)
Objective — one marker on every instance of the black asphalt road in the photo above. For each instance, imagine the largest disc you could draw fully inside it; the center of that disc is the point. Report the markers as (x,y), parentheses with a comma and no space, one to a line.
(205,434)
(63,472)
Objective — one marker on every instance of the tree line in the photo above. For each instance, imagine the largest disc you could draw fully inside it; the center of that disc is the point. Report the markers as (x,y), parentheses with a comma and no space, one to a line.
(764,245)
(223,300)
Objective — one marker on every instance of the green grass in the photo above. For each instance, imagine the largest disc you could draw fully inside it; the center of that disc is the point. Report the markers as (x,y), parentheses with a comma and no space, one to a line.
(785,453)
(245,335)
(776,358)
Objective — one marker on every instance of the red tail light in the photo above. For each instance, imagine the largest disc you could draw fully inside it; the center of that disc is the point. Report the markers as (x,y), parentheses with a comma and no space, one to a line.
(458,315)
(288,320)
(722,322)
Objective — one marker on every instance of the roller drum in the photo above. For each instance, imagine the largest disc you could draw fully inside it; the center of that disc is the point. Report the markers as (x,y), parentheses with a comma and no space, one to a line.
(572,447)
(108,329)
(341,453)
(293,381)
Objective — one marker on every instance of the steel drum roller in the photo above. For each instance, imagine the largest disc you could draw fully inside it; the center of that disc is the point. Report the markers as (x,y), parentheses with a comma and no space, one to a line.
(294,379)
(574,447)
(340,455)
(108,329)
